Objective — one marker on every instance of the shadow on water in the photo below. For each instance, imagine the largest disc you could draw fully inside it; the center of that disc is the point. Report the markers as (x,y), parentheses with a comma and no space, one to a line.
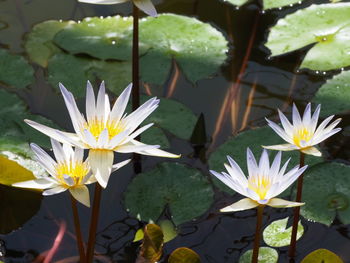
(250,83)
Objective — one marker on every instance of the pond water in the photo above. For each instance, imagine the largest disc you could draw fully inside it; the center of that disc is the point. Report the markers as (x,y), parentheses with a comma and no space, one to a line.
(253,86)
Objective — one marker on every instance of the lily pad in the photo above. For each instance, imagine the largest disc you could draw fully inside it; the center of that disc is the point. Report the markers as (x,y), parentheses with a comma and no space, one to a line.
(266,255)
(15,70)
(168,229)
(236,148)
(327,26)
(104,38)
(183,190)
(115,74)
(237,2)
(17,207)
(12,172)
(331,182)
(334,95)
(184,255)
(39,41)
(277,235)
(268,4)
(152,244)
(155,136)
(322,255)
(197,47)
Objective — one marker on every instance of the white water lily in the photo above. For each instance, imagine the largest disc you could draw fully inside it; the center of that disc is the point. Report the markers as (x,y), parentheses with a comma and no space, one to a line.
(106,130)
(145,5)
(302,134)
(68,172)
(263,184)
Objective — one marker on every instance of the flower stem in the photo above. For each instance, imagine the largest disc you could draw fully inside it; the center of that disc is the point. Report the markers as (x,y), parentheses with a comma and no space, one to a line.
(296,215)
(78,230)
(93,223)
(257,233)
(136,77)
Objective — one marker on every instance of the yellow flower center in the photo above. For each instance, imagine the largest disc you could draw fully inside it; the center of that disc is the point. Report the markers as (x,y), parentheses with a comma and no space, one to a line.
(96,126)
(260,185)
(302,134)
(75,170)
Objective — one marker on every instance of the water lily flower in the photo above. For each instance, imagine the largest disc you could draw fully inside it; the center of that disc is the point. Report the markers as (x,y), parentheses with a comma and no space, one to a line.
(68,172)
(302,134)
(105,130)
(145,5)
(263,183)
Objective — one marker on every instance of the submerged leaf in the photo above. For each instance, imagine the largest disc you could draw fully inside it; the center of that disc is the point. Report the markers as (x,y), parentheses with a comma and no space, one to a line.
(277,235)
(266,255)
(15,70)
(326,25)
(322,255)
(331,182)
(254,139)
(152,244)
(185,191)
(334,95)
(184,255)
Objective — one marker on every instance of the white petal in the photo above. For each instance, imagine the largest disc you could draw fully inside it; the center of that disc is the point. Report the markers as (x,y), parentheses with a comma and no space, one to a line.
(279,131)
(119,138)
(323,124)
(307,115)
(117,166)
(276,164)
(58,151)
(138,132)
(101,162)
(41,183)
(90,139)
(243,204)
(235,185)
(81,194)
(103,2)
(55,190)
(287,126)
(100,104)
(78,154)
(74,113)
(130,148)
(121,103)
(107,106)
(90,102)
(311,151)
(280,203)
(264,163)
(146,6)
(325,136)
(44,159)
(153,151)
(314,118)
(296,117)
(281,147)
(251,162)
(68,180)
(64,137)
(103,138)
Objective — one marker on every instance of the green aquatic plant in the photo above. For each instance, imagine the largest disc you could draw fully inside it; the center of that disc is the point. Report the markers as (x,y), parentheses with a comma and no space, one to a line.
(267,4)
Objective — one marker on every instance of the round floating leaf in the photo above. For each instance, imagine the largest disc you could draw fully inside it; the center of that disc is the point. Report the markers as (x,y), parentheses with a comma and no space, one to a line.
(334,95)
(17,207)
(152,244)
(168,229)
(237,2)
(266,255)
(236,148)
(269,4)
(155,136)
(277,235)
(11,172)
(326,192)
(15,70)
(39,44)
(115,74)
(184,255)
(185,191)
(197,47)
(174,117)
(104,38)
(322,255)
(327,25)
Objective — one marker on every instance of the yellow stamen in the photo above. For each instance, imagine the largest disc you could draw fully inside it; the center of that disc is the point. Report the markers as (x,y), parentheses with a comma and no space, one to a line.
(302,134)
(75,170)
(260,185)
(96,126)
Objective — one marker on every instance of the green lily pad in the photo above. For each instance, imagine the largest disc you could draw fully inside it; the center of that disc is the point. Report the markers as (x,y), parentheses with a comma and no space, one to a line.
(331,182)
(254,139)
(155,136)
(334,95)
(39,41)
(197,47)
(185,191)
(266,255)
(322,255)
(15,70)
(237,2)
(104,38)
(277,235)
(268,4)
(184,255)
(17,207)
(327,26)
(117,75)
(168,229)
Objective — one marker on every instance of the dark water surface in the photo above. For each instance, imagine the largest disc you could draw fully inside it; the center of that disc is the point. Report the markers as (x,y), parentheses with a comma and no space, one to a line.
(265,84)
